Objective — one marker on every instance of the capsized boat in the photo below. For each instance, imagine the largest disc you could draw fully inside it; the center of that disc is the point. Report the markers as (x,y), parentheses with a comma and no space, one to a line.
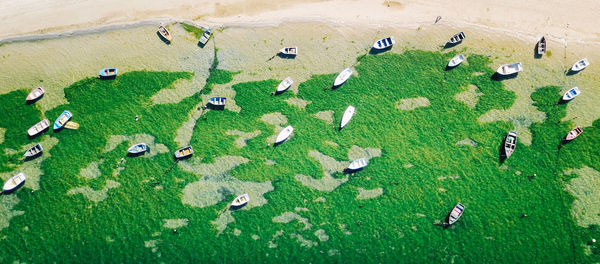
(108,72)
(33,151)
(162,30)
(72,125)
(14,182)
(455,214)
(184,152)
(38,128)
(284,134)
(358,164)
(342,77)
(580,65)
(240,200)
(138,148)
(284,85)
(508,69)
(571,93)
(293,51)
(510,142)
(541,46)
(456,60)
(62,119)
(217,101)
(35,94)
(574,133)
(384,43)
(458,37)
(347,116)
(205,36)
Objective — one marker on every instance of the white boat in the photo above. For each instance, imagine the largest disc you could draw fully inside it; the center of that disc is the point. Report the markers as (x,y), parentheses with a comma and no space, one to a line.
(205,36)
(541,46)
(217,101)
(458,37)
(14,182)
(384,43)
(241,200)
(35,94)
(571,93)
(580,65)
(284,85)
(138,148)
(358,164)
(284,134)
(164,33)
(289,51)
(342,77)
(574,133)
(510,143)
(456,60)
(184,152)
(38,128)
(33,151)
(455,214)
(508,69)
(347,116)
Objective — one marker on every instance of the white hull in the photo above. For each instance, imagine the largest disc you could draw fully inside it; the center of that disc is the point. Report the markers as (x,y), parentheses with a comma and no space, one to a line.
(347,116)
(289,51)
(574,133)
(33,151)
(284,134)
(285,84)
(456,213)
(571,94)
(580,65)
(342,77)
(384,43)
(14,182)
(35,94)
(241,200)
(510,143)
(456,60)
(138,148)
(184,152)
(508,69)
(39,127)
(358,164)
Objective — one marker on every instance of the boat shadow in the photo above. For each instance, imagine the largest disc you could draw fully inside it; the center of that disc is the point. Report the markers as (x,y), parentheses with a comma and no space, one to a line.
(351,171)
(201,45)
(112,77)
(214,107)
(499,77)
(535,53)
(133,155)
(451,45)
(501,153)
(286,56)
(33,157)
(448,67)
(166,41)
(570,72)
(34,101)
(561,101)
(374,51)
(38,134)
(236,207)
(15,189)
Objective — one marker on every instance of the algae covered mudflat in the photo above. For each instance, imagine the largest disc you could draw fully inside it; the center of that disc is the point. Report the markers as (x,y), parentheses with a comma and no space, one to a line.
(87,200)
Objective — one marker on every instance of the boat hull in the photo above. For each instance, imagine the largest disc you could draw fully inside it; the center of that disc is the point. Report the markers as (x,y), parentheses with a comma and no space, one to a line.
(384,43)
(165,33)
(508,69)
(184,152)
(456,60)
(284,85)
(510,143)
(580,65)
(571,94)
(38,128)
(14,182)
(358,164)
(108,73)
(62,119)
(240,200)
(455,214)
(284,134)
(457,38)
(541,46)
(291,51)
(347,116)
(205,36)
(137,149)
(35,94)
(574,133)
(34,151)
(342,77)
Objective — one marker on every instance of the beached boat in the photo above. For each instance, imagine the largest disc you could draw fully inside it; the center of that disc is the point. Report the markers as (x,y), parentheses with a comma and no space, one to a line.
(508,69)
(580,65)
(14,182)
(458,37)
(34,151)
(35,94)
(510,142)
(184,152)
(384,43)
(571,93)
(456,60)
(138,148)
(38,128)
(284,134)
(62,119)
(162,30)
(454,215)
(347,116)
(240,200)
(292,51)
(574,133)
(342,77)
(217,101)
(108,72)
(72,125)
(541,46)
(205,36)
(358,164)
(284,85)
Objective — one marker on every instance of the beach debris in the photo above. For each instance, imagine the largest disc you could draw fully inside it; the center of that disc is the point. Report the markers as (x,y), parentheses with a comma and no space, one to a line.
(437,19)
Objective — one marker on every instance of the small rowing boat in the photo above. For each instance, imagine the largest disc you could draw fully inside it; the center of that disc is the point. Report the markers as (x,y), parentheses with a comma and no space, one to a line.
(33,151)
(508,69)
(35,94)
(184,152)
(240,200)
(62,119)
(458,37)
(38,128)
(284,85)
(162,30)
(541,46)
(384,43)
(574,133)
(138,148)
(454,215)
(108,72)
(14,182)
(217,101)
(456,60)
(342,77)
(580,65)
(284,134)
(292,51)
(358,164)
(571,94)
(510,143)
(205,36)
(72,125)
(347,116)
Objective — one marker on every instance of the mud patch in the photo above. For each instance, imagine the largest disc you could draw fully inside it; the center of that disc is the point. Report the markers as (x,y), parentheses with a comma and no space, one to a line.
(91,171)
(32,168)
(368,194)
(175,223)
(295,101)
(470,96)
(2,132)
(467,142)
(95,196)
(243,137)
(326,116)
(303,241)
(586,190)
(321,235)
(413,103)
(7,203)
(290,216)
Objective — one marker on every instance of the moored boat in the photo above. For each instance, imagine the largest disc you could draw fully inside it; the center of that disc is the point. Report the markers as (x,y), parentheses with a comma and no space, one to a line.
(138,148)
(508,69)
(62,119)
(574,133)
(240,200)
(35,94)
(580,65)
(510,142)
(108,72)
(284,134)
(292,51)
(34,151)
(205,36)
(38,128)
(284,85)
(14,182)
(358,164)
(347,116)
(571,93)
(164,32)
(541,46)
(184,152)
(342,77)
(384,43)
(72,125)
(217,101)
(456,60)
(458,37)
(454,215)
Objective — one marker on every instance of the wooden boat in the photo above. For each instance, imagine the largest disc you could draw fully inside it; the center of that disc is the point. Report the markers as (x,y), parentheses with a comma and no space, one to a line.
(456,60)
(292,51)
(508,69)
(574,133)
(14,182)
(38,128)
(358,164)
(347,116)
(541,46)
(284,134)
(457,38)
(72,125)
(571,93)
(184,152)
(162,30)
(205,36)
(138,148)
(510,142)
(62,119)
(454,215)
(342,77)
(217,101)
(34,151)
(108,72)
(240,200)
(284,85)
(384,43)
(35,94)
(580,65)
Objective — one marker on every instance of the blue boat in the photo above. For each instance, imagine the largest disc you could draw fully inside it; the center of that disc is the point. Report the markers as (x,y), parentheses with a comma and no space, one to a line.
(62,119)
(108,72)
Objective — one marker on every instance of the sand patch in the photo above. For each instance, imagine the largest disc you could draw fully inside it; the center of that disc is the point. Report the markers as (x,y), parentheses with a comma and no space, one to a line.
(91,171)
(95,196)
(2,132)
(278,120)
(295,101)
(357,152)
(223,90)
(7,203)
(237,232)
(222,221)
(467,142)
(321,235)
(290,216)
(344,229)
(470,96)
(333,252)
(270,162)
(521,118)
(243,137)
(152,244)
(275,236)
(184,133)
(222,164)
(175,223)
(115,140)
(586,189)
(326,116)
(364,194)
(320,199)
(303,241)
(32,168)
(331,143)
(255,237)
(413,103)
